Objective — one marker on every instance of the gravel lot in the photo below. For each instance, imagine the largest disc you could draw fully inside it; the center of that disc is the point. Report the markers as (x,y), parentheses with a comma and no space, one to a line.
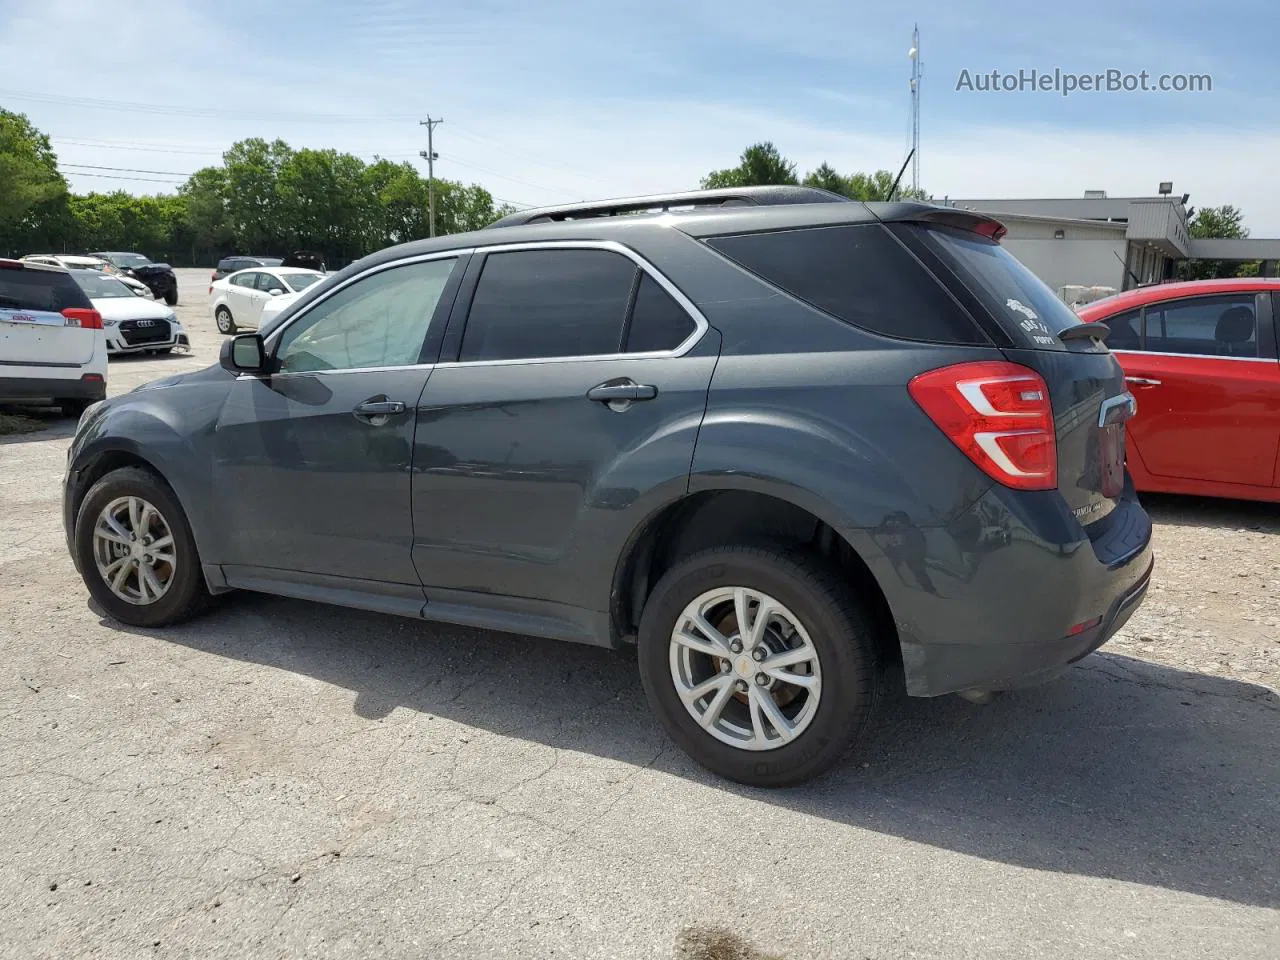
(280,779)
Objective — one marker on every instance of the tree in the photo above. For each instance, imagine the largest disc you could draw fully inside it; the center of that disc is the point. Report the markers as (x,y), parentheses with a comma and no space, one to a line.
(1213,223)
(760,164)
(28,169)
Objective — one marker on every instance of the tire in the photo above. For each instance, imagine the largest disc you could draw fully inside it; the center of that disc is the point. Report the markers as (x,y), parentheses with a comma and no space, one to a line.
(831,622)
(161,352)
(74,408)
(226,324)
(171,296)
(186,593)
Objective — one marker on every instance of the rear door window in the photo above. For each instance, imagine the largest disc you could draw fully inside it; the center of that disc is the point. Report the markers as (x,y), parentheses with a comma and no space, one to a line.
(1019,301)
(861,274)
(657,322)
(536,304)
(1225,326)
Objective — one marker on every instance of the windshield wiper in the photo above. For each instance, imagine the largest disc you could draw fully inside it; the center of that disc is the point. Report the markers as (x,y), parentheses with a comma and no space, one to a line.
(1085,331)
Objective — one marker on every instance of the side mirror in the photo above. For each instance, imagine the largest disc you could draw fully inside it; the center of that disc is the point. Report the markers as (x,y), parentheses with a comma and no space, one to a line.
(275,292)
(245,353)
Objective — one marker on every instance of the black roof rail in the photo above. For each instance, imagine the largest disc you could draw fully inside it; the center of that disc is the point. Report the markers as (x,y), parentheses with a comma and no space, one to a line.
(723,197)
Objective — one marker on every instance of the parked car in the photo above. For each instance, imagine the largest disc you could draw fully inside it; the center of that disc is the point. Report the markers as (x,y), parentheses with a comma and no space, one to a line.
(159,277)
(72,262)
(1201,358)
(229,265)
(766,443)
(52,345)
(237,301)
(131,324)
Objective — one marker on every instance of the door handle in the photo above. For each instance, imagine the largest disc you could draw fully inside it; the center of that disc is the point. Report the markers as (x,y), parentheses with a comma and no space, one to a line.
(378,410)
(626,391)
(1143,381)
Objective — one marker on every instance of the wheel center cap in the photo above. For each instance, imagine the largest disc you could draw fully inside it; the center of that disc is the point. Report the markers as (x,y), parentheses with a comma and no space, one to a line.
(744,666)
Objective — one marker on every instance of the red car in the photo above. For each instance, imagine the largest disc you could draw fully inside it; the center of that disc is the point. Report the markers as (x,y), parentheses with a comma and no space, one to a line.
(1200,357)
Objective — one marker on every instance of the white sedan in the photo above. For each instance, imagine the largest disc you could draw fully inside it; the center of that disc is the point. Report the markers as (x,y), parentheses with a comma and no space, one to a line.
(237,300)
(132,324)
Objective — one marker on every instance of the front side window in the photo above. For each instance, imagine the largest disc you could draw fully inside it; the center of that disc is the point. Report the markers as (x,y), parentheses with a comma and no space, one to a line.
(267,283)
(1225,326)
(534,304)
(379,321)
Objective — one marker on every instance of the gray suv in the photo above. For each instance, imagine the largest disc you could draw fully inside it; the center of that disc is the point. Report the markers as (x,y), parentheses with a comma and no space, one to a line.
(788,446)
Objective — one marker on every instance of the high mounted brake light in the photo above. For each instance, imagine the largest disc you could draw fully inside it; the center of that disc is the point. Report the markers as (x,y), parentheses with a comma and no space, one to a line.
(999,415)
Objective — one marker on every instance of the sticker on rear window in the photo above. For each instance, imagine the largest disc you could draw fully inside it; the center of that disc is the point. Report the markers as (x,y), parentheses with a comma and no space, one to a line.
(1032,325)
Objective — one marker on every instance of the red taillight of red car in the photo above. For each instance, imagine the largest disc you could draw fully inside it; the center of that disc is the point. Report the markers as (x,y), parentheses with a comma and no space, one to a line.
(999,414)
(86,319)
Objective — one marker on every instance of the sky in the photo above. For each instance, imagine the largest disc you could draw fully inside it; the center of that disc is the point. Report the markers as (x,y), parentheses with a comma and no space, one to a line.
(550,101)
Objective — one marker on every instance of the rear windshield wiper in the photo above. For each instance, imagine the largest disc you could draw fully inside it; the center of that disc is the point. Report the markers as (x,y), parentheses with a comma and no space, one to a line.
(1085,331)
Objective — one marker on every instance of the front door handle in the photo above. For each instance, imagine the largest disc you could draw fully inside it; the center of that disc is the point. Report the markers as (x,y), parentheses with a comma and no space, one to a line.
(624,391)
(378,410)
(1143,381)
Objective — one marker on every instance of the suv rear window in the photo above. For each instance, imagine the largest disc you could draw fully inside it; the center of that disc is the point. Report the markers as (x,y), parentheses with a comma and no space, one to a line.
(1019,301)
(860,274)
(51,290)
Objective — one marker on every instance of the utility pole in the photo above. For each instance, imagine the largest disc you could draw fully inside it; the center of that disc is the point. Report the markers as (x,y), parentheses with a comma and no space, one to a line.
(431,157)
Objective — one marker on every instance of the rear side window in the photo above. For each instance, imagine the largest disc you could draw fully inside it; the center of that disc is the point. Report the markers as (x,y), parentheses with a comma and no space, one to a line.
(1125,328)
(1024,307)
(548,303)
(658,323)
(1208,326)
(860,274)
(48,290)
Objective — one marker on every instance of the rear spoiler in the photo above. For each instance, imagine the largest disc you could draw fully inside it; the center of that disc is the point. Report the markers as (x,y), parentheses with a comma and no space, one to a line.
(927,213)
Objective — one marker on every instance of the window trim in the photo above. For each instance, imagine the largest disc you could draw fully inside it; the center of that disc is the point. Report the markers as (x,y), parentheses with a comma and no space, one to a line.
(700,323)
(273,340)
(1263,307)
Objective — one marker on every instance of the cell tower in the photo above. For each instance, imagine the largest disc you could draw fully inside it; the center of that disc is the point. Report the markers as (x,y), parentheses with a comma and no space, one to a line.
(916,72)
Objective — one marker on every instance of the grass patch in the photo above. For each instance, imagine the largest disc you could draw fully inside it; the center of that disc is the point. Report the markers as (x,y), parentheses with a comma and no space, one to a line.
(717,943)
(12,424)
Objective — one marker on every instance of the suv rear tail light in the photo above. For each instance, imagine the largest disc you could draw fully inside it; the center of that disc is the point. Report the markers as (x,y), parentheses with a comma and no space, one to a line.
(999,414)
(87,319)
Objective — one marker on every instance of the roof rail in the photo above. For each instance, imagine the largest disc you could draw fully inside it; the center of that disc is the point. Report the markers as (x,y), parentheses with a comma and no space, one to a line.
(723,197)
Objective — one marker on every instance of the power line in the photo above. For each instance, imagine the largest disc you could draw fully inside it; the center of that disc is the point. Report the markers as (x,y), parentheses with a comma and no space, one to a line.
(109,176)
(503,176)
(139,147)
(483,140)
(90,166)
(172,110)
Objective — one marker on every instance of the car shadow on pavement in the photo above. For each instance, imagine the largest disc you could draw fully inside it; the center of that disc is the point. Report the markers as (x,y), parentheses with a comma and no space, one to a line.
(1122,769)
(1185,511)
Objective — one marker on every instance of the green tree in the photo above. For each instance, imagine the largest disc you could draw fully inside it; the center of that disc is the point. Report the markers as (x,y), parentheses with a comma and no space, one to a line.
(760,165)
(28,169)
(1213,223)
(251,168)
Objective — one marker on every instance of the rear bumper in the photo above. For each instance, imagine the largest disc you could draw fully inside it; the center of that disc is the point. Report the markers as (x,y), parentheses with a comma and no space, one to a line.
(1012,591)
(52,388)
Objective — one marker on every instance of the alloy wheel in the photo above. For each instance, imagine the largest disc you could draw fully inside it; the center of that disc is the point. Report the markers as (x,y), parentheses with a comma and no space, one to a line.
(134,550)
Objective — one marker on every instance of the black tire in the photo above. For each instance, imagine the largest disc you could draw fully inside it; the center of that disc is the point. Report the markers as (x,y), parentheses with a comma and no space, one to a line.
(160,352)
(224,321)
(171,296)
(839,628)
(187,594)
(74,408)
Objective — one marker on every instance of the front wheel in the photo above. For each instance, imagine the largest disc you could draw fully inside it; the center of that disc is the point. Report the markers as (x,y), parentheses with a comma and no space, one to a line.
(171,296)
(761,663)
(136,552)
(222,317)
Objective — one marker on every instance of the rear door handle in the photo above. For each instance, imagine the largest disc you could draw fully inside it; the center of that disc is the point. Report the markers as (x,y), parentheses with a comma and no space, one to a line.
(378,410)
(613,391)
(1143,381)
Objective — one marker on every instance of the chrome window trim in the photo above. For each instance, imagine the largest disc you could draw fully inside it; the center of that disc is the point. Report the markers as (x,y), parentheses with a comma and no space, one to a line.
(700,322)
(1196,356)
(274,337)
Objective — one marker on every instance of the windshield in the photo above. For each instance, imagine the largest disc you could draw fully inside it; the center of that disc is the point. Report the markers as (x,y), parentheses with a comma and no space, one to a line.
(98,286)
(300,281)
(128,259)
(1025,307)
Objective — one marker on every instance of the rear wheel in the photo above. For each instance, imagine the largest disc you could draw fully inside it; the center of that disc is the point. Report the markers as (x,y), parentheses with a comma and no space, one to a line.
(760,663)
(222,317)
(136,552)
(161,351)
(74,408)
